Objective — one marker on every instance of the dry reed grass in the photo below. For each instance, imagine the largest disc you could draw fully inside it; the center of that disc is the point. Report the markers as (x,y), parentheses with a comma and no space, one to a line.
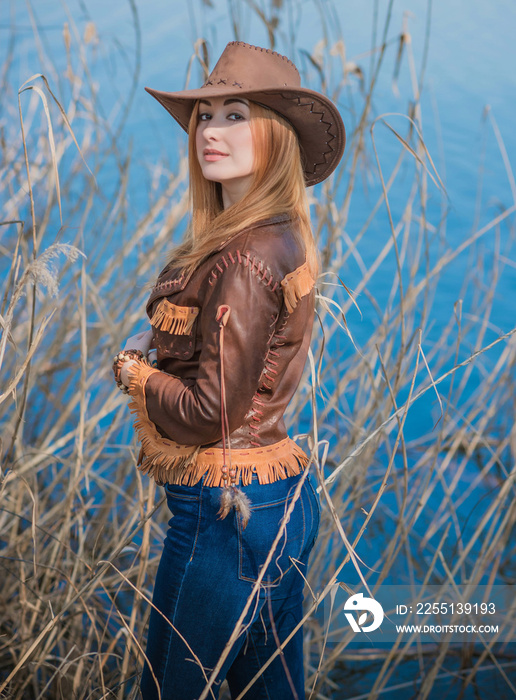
(81,531)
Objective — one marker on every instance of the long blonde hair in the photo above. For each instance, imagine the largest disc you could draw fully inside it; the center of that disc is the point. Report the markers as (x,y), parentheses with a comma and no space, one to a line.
(277,187)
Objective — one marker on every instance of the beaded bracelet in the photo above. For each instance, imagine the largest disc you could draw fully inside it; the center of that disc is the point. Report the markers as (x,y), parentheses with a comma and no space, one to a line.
(118,361)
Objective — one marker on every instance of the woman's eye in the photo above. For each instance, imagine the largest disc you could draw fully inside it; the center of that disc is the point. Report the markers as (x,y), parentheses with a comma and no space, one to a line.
(204,116)
(235,116)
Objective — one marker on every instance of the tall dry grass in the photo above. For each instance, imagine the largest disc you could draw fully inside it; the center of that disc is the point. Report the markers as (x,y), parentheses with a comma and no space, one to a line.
(81,530)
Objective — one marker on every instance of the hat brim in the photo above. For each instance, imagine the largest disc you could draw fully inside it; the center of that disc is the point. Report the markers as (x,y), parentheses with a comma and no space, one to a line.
(316,120)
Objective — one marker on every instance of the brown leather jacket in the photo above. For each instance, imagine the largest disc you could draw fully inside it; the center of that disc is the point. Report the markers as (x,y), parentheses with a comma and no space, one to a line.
(232,340)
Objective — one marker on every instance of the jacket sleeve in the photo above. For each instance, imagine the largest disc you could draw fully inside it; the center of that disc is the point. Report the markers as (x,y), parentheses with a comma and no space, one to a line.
(190,414)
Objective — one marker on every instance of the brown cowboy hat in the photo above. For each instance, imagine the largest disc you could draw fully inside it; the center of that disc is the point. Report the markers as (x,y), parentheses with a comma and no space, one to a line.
(270,79)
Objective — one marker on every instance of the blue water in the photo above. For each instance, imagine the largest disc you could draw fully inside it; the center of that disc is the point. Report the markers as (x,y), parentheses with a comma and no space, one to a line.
(469,91)
(470,66)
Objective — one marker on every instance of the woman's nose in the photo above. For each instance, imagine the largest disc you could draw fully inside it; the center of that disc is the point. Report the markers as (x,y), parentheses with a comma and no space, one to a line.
(211,133)
(212,128)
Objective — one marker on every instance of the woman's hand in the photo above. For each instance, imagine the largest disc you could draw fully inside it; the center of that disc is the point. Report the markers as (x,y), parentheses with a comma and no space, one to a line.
(140,341)
(124,375)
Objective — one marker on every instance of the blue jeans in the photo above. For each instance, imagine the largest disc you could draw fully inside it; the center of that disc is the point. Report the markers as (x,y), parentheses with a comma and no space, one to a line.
(207,571)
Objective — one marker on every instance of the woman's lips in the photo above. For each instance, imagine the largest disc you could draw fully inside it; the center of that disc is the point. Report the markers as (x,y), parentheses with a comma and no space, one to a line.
(212,155)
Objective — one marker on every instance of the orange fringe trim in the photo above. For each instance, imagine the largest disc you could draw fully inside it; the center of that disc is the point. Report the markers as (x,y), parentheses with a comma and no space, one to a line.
(174,319)
(295,285)
(158,455)
(270,463)
(168,462)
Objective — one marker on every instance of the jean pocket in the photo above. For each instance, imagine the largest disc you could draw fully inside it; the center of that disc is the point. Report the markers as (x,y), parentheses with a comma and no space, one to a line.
(182,492)
(184,503)
(255,541)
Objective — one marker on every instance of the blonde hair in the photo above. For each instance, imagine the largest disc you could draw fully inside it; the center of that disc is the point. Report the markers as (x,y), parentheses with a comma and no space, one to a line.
(277,187)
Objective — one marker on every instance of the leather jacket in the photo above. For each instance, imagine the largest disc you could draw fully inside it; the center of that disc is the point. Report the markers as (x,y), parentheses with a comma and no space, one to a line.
(232,340)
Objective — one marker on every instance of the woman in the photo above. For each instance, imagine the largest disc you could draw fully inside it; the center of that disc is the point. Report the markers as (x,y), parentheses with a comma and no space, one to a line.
(231,318)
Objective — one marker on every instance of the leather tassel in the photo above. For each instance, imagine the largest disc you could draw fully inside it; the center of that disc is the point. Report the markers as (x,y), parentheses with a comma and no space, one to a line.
(296,285)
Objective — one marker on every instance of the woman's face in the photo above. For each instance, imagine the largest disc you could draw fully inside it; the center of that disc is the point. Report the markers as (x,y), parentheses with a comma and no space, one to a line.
(224,145)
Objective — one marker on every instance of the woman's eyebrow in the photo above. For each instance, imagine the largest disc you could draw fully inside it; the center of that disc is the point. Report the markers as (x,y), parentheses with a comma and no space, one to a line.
(235,99)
